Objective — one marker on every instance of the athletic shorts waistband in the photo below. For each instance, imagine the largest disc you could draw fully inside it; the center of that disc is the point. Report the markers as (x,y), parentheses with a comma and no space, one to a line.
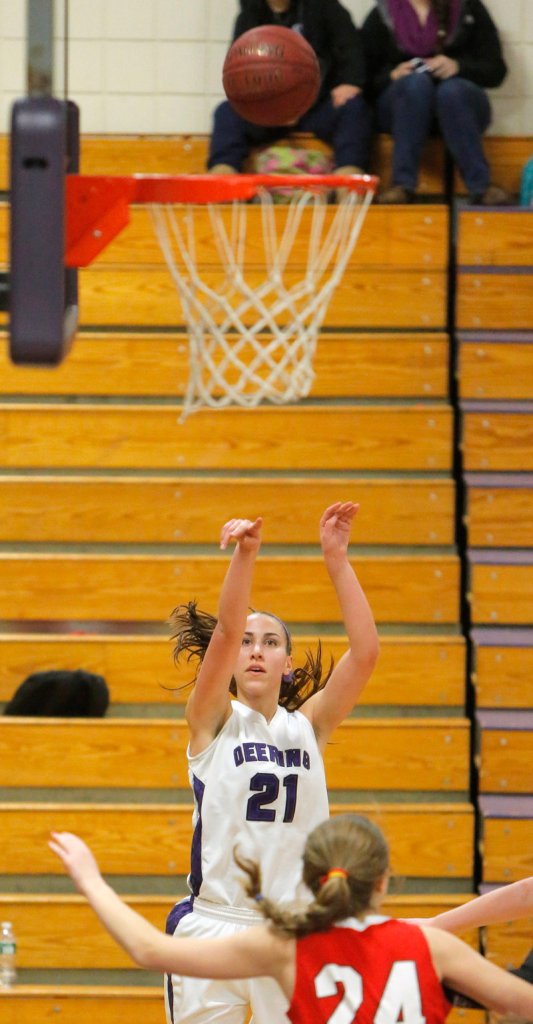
(226,913)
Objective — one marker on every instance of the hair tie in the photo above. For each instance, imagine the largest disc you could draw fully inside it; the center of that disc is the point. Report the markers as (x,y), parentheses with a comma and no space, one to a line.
(259,897)
(333,873)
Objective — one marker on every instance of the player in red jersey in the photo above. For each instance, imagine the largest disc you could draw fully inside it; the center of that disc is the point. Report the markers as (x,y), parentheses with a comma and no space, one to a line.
(338,960)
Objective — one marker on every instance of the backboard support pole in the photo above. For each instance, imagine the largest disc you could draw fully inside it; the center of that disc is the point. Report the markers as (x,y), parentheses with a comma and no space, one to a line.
(43,294)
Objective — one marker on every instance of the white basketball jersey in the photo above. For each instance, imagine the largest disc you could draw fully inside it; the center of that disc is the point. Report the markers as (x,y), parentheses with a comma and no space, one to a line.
(259,786)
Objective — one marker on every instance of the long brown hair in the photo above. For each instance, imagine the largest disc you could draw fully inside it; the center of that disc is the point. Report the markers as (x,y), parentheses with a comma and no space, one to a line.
(349,842)
(192,630)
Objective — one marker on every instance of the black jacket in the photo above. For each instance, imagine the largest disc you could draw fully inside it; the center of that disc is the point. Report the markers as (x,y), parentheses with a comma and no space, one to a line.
(328,28)
(475,45)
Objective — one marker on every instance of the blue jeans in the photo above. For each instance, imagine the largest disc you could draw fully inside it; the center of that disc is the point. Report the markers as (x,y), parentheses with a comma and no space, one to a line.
(347,129)
(408,109)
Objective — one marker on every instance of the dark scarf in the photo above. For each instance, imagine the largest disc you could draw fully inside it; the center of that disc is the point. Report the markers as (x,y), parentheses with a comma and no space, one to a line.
(414,38)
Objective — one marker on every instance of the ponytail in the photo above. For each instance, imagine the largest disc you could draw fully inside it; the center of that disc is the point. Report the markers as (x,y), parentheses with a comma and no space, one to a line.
(345,858)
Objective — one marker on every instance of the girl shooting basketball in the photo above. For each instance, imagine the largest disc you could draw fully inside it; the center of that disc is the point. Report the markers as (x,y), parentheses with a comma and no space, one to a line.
(255,762)
(336,960)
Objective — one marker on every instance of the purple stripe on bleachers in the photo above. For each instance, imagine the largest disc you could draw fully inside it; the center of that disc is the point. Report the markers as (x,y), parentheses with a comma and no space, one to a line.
(500,556)
(510,407)
(495,337)
(498,479)
(515,721)
(465,207)
(506,806)
(488,271)
(489,636)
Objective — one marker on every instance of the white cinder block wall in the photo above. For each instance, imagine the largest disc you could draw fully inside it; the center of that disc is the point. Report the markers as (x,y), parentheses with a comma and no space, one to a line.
(154,66)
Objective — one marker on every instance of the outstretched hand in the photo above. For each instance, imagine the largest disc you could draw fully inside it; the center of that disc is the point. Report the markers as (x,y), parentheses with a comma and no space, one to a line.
(77,858)
(335,526)
(244,532)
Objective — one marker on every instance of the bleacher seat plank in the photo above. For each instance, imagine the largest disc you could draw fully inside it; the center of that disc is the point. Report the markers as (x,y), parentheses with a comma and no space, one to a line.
(137,1004)
(400,588)
(496,440)
(82,1004)
(496,366)
(187,154)
(507,156)
(190,510)
(496,301)
(503,674)
(366,365)
(507,849)
(496,238)
(303,437)
(58,931)
(508,944)
(421,670)
(501,594)
(392,237)
(499,510)
(426,754)
(505,751)
(367,298)
(426,840)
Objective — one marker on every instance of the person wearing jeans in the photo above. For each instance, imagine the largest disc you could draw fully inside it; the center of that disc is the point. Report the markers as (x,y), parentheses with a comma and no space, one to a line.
(340,115)
(429,63)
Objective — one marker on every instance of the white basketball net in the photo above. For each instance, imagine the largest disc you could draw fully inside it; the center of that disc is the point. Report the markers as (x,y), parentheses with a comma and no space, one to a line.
(255,303)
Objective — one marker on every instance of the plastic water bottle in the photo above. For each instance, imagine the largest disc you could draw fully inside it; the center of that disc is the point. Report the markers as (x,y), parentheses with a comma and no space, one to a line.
(8,950)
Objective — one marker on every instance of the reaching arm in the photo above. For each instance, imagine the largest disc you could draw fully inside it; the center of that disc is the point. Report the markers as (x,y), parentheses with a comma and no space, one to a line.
(509,903)
(327,709)
(209,704)
(466,971)
(257,951)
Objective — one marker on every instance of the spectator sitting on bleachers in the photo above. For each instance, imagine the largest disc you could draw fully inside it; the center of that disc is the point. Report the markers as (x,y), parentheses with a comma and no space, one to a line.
(429,63)
(60,694)
(340,115)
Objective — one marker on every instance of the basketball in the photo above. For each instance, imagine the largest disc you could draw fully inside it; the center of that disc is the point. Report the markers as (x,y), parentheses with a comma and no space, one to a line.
(271,75)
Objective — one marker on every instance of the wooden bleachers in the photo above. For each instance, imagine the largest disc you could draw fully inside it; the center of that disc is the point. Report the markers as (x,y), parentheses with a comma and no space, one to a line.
(186,154)
(508,944)
(140,1005)
(497,437)
(507,832)
(501,585)
(154,839)
(189,509)
(400,280)
(139,669)
(498,511)
(137,587)
(505,751)
(495,344)
(103,436)
(101,484)
(375,754)
(356,366)
(496,365)
(85,945)
(503,668)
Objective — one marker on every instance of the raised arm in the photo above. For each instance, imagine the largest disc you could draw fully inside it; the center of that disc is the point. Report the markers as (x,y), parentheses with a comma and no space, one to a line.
(508,903)
(258,951)
(209,704)
(467,972)
(327,709)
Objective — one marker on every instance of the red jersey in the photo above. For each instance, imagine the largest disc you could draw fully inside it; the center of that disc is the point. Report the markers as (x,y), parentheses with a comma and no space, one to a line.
(376,971)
